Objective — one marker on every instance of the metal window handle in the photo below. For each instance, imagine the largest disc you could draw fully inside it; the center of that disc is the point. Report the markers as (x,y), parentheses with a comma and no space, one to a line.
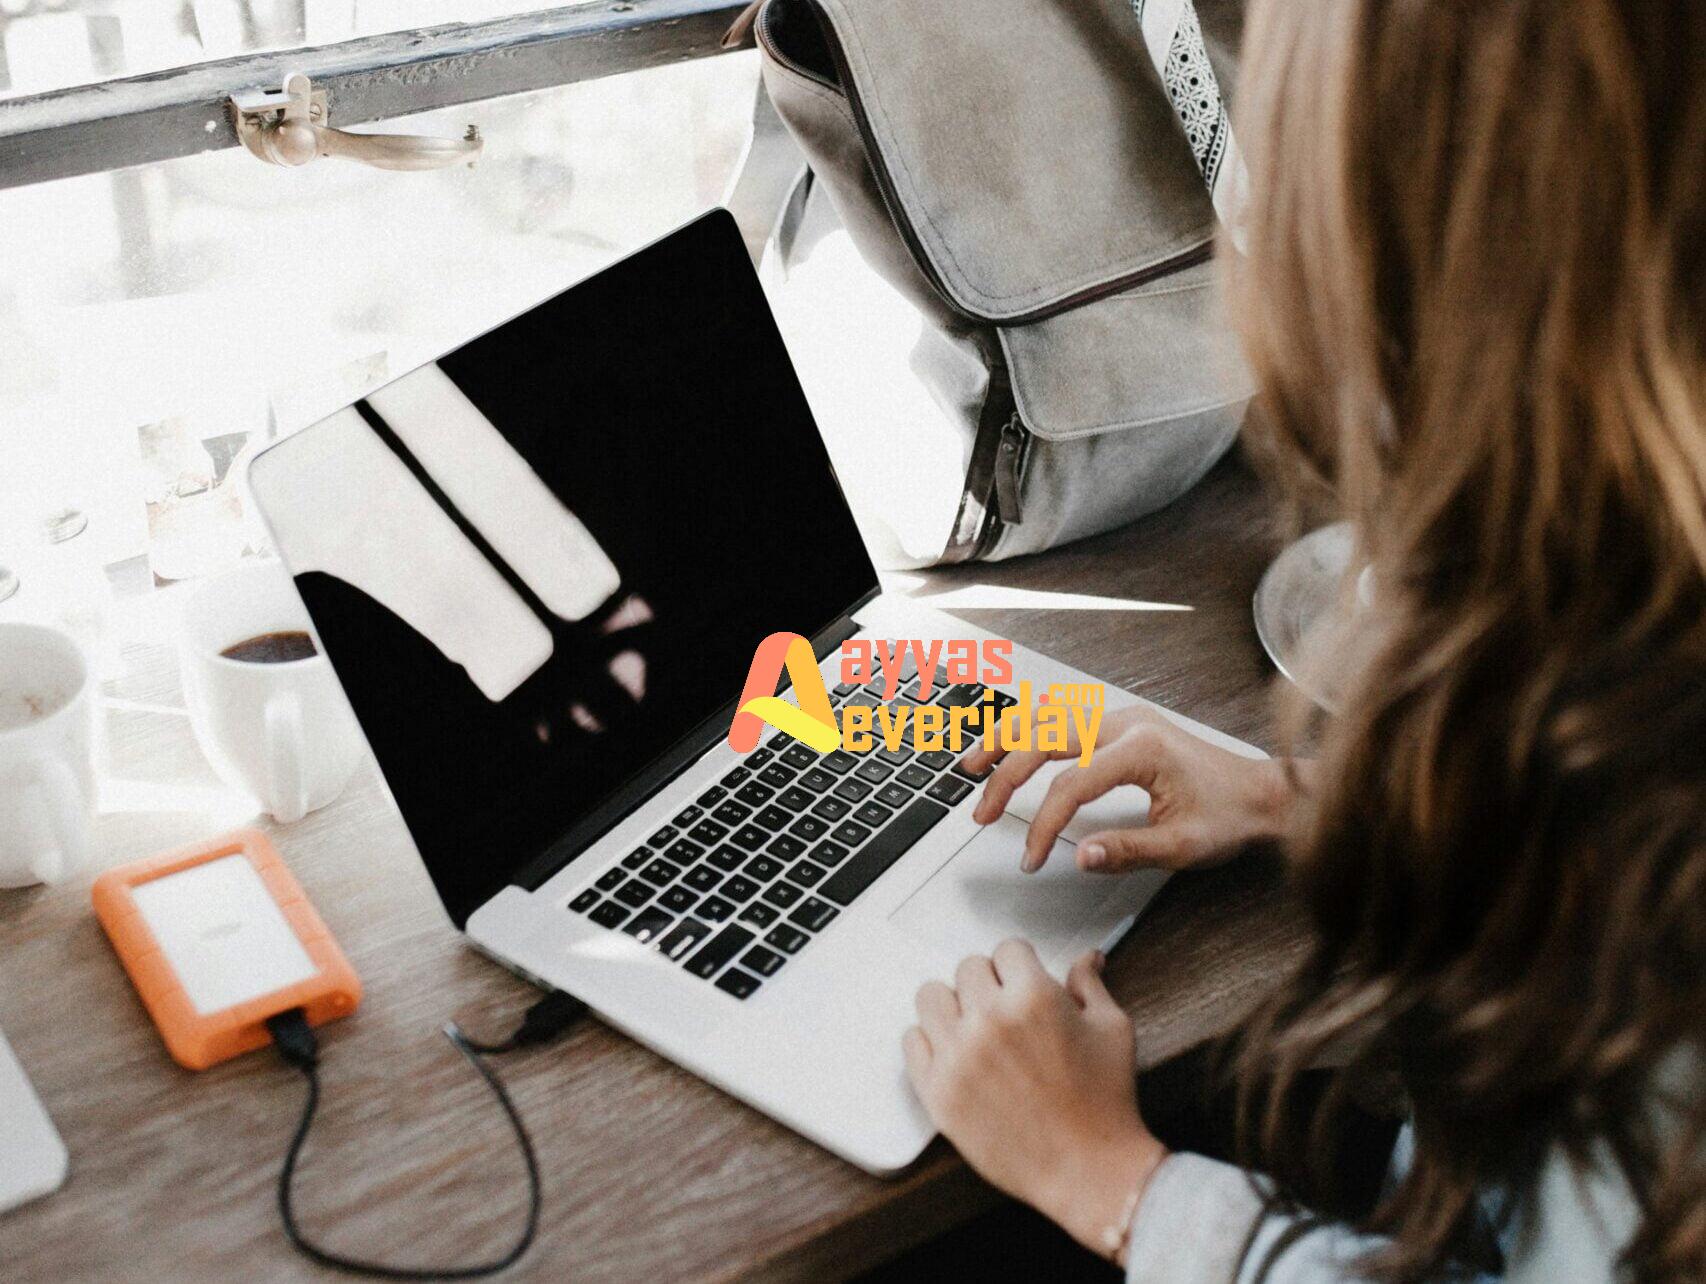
(289,128)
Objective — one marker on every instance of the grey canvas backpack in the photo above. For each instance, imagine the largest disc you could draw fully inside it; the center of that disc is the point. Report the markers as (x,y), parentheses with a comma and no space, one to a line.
(1015,169)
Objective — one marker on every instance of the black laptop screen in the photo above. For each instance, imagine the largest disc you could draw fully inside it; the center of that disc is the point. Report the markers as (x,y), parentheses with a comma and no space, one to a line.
(688,509)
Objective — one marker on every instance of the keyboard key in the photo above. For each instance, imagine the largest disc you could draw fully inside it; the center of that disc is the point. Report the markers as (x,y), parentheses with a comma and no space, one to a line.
(712,796)
(609,914)
(751,837)
(893,757)
(702,878)
(830,808)
(708,832)
(714,909)
(634,893)
(680,942)
(687,816)
(739,888)
(585,901)
(723,947)
(968,773)
(736,777)
(660,872)
(914,776)
(782,894)
(731,813)
(829,853)
(874,771)
(888,847)
(809,828)
(610,878)
(740,984)
(846,688)
(798,757)
(678,899)
(780,740)
(786,938)
(807,874)
(772,818)
(758,757)
(685,852)
(812,914)
(960,697)
(647,924)
(949,789)
(776,775)
(840,762)
(754,794)
(849,834)
(727,858)
(762,961)
(664,837)
(855,790)
(817,780)
(639,856)
(785,847)
(759,914)
(763,868)
(935,759)
(795,799)
(873,815)
(893,795)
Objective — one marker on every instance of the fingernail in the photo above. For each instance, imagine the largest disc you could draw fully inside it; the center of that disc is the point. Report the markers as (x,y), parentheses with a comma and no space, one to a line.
(1095,855)
(1028,864)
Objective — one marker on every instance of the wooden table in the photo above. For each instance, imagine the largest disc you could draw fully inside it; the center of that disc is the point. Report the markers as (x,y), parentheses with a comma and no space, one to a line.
(648,1172)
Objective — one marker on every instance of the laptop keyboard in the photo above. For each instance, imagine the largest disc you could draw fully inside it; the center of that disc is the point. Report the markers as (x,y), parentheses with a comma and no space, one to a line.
(743,879)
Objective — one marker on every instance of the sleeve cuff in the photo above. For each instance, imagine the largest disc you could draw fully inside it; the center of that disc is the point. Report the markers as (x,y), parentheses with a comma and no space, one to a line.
(1192,1223)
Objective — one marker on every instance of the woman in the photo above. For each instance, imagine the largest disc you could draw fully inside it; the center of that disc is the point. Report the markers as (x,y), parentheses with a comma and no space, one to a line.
(1475,304)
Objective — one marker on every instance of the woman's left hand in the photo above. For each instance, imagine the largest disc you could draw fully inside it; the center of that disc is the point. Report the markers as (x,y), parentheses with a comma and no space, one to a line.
(1036,1084)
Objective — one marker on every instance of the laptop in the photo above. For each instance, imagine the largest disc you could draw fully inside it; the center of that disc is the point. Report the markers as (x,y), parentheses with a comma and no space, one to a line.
(541,567)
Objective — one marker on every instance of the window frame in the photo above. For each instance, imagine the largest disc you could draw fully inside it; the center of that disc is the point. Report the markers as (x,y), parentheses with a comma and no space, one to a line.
(163,115)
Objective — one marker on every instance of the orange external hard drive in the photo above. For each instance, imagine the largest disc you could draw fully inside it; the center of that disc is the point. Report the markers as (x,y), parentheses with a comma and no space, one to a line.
(217,938)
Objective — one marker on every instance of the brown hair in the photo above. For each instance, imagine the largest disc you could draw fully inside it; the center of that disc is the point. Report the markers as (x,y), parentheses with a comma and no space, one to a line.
(1475,305)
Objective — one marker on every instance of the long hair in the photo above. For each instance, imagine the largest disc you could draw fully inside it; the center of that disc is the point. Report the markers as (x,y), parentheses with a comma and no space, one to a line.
(1475,305)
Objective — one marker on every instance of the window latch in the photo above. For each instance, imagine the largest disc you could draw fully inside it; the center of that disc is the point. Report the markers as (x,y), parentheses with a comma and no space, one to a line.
(288,127)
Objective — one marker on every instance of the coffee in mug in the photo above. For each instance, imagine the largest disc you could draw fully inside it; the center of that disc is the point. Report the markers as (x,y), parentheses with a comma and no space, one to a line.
(265,705)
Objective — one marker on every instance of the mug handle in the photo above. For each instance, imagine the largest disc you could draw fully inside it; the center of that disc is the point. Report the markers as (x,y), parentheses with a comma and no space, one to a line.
(286,752)
(66,816)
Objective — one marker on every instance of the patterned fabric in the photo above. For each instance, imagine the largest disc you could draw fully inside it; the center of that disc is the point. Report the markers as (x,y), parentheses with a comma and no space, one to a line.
(1175,41)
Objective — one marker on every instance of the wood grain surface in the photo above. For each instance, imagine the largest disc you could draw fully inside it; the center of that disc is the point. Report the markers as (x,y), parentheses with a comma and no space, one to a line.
(648,1172)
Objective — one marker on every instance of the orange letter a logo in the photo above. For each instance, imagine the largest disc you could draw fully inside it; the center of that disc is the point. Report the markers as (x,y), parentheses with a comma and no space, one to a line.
(812,722)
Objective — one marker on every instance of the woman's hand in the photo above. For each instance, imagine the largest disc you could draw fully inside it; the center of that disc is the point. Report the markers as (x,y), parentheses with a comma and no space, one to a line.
(1036,1084)
(1205,803)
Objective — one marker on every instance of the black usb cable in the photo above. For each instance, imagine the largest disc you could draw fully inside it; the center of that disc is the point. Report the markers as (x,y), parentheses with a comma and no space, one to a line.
(298,1047)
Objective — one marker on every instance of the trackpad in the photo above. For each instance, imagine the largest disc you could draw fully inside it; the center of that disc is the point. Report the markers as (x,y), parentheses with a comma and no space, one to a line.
(979,898)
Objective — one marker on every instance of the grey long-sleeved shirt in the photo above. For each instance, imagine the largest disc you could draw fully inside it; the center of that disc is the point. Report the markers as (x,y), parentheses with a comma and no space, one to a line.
(1196,1216)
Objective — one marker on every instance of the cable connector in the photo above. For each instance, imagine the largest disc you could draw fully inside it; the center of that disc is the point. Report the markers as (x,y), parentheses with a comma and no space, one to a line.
(541,1023)
(294,1039)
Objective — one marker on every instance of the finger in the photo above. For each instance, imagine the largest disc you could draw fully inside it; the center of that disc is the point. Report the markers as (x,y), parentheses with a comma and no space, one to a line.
(1012,771)
(1131,760)
(1084,983)
(1017,965)
(981,759)
(975,983)
(915,1047)
(1166,846)
(938,1011)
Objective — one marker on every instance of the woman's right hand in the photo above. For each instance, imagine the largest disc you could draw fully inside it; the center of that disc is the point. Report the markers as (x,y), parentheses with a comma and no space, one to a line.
(1205,803)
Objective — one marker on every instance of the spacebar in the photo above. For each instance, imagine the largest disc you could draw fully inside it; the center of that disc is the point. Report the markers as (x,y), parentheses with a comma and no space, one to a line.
(891,843)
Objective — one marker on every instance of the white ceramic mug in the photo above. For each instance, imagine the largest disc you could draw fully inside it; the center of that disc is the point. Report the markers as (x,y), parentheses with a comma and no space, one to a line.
(47,773)
(281,731)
